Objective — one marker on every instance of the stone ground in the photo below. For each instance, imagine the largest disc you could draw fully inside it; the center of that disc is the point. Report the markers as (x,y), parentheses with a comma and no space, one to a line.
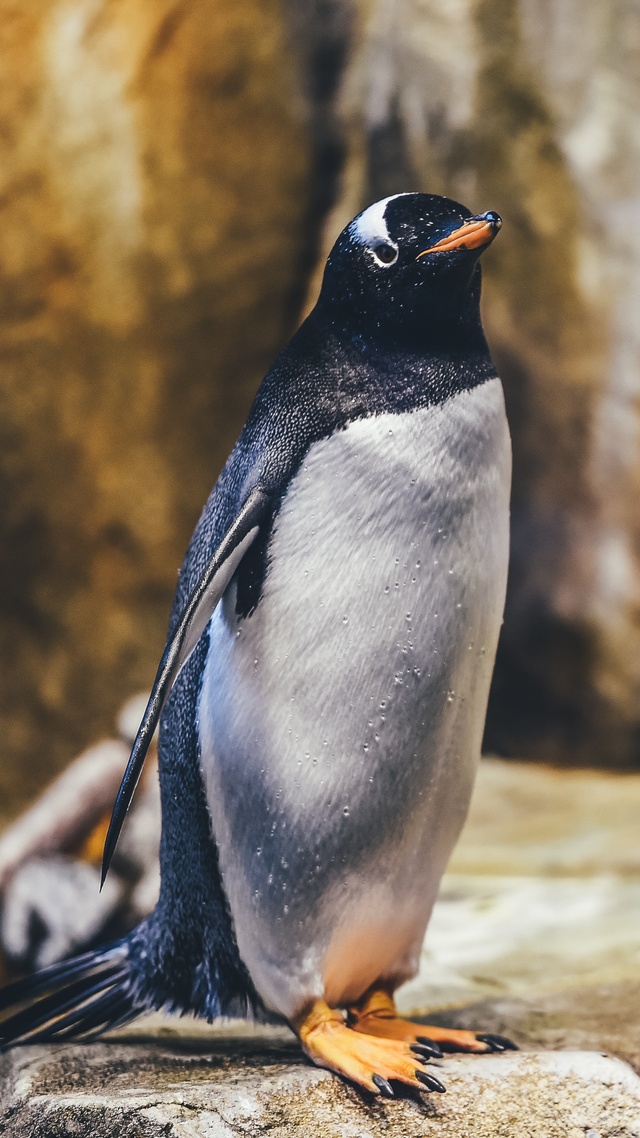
(536,934)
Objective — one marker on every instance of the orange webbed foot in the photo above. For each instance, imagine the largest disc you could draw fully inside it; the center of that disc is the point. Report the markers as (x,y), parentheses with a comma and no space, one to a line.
(371,1063)
(376,1015)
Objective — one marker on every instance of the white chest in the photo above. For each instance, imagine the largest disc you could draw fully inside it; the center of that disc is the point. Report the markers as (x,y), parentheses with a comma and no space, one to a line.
(341,723)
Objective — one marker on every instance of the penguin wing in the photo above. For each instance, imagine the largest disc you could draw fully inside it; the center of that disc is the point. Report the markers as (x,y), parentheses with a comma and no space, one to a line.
(195,617)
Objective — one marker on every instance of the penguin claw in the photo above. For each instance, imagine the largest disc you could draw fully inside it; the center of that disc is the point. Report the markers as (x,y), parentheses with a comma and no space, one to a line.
(424,1052)
(330,1043)
(424,1059)
(383,1086)
(434,1049)
(497,1042)
(376,1015)
(430,1082)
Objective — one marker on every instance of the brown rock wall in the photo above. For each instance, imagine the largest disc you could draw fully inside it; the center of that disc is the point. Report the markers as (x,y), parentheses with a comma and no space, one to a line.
(154,185)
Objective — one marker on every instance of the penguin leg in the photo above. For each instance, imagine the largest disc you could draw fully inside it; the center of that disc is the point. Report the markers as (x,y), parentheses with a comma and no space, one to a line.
(369,1062)
(376,1015)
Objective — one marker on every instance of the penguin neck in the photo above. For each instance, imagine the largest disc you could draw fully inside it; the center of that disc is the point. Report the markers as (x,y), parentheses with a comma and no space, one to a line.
(427,366)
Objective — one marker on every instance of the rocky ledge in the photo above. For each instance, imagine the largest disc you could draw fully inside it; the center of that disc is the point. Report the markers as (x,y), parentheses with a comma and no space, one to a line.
(536,935)
(251,1086)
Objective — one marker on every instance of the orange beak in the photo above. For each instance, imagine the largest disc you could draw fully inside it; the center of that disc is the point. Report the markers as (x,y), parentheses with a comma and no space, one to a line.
(475,233)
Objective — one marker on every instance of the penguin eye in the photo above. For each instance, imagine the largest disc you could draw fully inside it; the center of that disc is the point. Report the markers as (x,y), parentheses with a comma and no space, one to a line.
(385,253)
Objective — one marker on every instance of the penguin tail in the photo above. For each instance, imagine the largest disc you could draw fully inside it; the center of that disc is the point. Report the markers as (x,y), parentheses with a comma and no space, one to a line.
(78,998)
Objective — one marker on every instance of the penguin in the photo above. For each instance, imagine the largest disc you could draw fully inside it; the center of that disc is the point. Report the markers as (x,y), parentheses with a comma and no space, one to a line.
(322,694)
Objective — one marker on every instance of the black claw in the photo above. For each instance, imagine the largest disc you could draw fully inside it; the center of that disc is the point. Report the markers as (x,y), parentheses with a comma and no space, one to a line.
(434,1048)
(383,1086)
(420,1056)
(421,1049)
(497,1042)
(430,1082)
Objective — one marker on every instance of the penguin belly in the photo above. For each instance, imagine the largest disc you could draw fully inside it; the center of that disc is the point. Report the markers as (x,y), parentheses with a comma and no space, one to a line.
(340,723)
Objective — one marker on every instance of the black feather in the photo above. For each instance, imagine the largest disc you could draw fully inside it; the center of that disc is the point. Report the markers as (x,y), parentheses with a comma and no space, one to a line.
(56,974)
(180,645)
(71,998)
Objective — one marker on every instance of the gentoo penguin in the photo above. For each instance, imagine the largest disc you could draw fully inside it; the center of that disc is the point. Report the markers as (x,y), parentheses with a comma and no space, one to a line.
(323,690)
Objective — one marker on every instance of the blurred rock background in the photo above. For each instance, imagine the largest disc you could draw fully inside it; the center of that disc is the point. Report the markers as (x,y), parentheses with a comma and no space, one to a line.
(172,175)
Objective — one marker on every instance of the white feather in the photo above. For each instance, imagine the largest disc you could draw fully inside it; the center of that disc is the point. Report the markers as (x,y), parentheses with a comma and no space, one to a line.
(371,227)
(341,723)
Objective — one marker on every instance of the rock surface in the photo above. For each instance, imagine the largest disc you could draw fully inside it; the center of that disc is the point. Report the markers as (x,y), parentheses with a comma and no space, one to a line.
(536,935)
(128,1091)
(547,877)
(154,192)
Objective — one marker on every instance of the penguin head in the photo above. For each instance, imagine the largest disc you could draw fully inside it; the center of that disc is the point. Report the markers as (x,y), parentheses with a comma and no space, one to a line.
(406,270)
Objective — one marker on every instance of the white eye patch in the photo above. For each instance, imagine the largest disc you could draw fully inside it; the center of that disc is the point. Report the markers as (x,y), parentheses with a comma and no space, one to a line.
(370,228)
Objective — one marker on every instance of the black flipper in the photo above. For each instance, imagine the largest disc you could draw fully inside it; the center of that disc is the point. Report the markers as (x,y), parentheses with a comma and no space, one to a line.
(76,998)
(193,621)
